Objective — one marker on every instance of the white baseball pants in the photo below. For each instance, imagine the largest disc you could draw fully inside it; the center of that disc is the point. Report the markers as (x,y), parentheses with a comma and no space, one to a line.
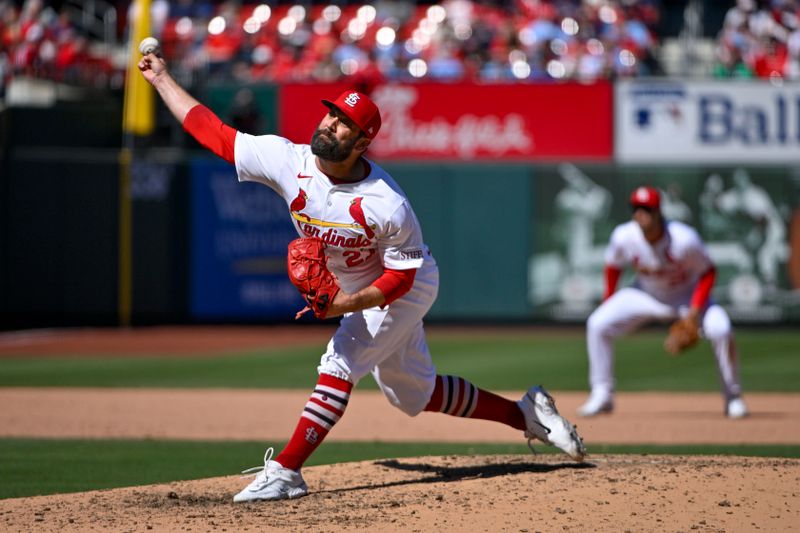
(629,309)
(389,343)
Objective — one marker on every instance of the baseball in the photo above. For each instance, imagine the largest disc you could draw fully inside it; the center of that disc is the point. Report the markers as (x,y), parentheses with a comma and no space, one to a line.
(148,45)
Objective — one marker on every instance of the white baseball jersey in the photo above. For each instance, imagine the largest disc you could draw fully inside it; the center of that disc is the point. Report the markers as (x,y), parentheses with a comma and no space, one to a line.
(367,225)
(667,273)
(670,268)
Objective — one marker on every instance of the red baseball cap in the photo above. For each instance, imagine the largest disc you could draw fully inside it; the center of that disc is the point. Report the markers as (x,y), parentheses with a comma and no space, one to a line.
(360,109)
(648,197)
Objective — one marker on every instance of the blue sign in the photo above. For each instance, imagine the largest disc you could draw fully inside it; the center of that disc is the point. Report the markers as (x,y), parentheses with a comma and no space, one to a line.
(239,236)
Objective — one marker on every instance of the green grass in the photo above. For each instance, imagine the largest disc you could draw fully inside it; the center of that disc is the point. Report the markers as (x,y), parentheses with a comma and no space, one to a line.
(511,360)
(31,467)
(769,362)
(285,368)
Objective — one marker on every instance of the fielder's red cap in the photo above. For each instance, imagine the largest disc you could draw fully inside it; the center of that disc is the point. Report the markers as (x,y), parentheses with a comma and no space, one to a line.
(646,197)
(360,109)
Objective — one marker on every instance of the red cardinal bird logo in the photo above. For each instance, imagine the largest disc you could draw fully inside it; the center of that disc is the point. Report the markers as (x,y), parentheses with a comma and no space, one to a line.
(299,203)
(357,212)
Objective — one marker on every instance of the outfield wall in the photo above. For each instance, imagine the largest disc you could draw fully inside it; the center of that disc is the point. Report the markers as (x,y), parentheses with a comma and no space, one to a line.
(518,228)
(516,241)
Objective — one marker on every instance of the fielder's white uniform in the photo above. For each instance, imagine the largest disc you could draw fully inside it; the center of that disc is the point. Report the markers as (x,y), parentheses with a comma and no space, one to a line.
(390,342)
(666,275)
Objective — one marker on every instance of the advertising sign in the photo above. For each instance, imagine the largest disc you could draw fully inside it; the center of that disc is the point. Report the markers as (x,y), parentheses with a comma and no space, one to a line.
(747,122)
(748,218)
(471,122)
(239,237)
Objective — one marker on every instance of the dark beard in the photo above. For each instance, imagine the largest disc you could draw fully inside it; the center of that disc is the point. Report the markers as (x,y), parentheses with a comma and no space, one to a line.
(329,147)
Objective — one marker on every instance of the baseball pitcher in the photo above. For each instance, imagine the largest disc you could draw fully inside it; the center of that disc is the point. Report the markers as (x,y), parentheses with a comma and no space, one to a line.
(361,257)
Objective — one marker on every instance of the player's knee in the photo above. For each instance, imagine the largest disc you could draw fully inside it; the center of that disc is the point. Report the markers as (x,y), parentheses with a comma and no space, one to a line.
(411,409)
(596,324)
(410,403)
(717,331)
(716,325)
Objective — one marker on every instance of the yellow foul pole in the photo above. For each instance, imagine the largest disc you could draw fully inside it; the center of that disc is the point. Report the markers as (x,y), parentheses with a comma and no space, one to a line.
(138,119)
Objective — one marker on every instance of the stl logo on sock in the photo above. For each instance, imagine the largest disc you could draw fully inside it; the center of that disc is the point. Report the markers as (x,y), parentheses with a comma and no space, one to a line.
(311,435)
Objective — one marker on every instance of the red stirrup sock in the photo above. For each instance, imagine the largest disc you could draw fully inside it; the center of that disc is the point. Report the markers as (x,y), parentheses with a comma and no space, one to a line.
(324,408)
(458,397)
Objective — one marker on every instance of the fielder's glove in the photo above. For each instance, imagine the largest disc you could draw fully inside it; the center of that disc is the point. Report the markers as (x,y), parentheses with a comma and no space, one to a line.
(683,333)
(309,273)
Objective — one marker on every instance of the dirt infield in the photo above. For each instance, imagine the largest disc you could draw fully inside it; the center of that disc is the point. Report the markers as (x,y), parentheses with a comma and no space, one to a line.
(498,493)
(270,415)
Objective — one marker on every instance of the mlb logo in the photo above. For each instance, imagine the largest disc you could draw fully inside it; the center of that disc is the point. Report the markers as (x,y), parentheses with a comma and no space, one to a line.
(643,117)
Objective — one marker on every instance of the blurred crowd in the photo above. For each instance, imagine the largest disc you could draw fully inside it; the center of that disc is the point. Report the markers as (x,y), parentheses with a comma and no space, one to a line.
(39,41)
(760,41)
(453,40)
(370,42)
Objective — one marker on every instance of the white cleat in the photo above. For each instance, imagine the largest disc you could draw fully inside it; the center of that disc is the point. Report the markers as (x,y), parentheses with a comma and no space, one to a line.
(596,404)
(544,423)
(736,408)
(272,482)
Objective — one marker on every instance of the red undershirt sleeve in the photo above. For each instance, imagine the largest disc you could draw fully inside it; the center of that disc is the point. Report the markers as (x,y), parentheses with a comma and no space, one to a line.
(202,124)
(702,290)
(612,278)
(395,283)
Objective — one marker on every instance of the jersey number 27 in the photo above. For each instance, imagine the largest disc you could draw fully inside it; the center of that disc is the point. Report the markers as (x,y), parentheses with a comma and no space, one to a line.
(355,257)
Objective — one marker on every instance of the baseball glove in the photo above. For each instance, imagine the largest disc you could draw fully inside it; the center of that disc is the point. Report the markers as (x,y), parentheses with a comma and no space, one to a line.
(683,334)
(309,273)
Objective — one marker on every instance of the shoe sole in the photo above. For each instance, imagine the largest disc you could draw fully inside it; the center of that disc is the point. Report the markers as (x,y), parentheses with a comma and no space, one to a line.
(286,496)
(737,416)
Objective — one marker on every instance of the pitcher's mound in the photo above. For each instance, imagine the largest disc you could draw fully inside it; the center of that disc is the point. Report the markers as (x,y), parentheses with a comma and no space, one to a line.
(454,493)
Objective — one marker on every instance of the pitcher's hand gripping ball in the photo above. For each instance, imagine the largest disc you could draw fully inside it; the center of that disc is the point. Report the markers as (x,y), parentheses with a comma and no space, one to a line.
(683,334)
(309,273)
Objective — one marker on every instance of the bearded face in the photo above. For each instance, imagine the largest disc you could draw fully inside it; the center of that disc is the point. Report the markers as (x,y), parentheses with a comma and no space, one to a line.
(325,145)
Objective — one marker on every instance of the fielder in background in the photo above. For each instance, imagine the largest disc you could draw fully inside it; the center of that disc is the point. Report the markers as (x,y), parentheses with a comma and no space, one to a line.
(674,277)
(387,279)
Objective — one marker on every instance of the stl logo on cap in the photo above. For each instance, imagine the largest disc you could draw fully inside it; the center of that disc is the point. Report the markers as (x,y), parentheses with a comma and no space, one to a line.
(646,197)
(359,108)
(352,99)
